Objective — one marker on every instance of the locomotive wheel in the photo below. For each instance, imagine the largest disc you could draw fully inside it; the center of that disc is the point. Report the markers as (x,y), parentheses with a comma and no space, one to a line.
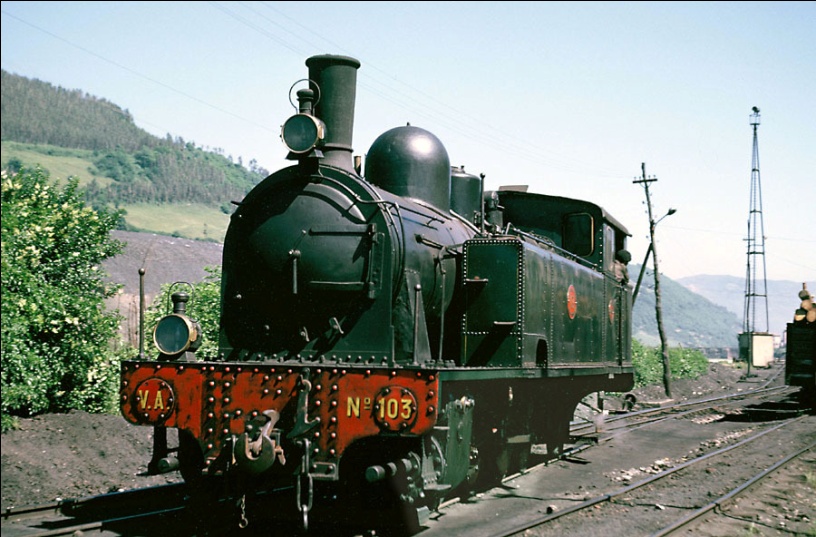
(191,460)
(492,462)
(519,456)
(503,461)
(512,458)
(495,460)
(556,443)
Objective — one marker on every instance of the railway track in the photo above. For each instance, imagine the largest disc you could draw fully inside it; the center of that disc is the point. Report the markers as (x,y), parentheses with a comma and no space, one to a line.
(165,510)
(104,515)
(629,420)
(721,503)
(642,494)
(688,445)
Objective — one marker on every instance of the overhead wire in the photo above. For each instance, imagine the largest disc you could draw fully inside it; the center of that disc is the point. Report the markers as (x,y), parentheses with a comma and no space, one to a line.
(381,84)
(137,73)
(412,99)
(376,81)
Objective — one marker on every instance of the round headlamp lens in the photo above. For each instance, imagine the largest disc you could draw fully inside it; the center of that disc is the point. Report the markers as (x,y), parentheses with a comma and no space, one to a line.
(173,334)
(301,133)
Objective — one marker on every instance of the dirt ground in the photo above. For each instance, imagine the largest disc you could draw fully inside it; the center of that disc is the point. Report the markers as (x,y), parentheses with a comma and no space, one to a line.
(58,456)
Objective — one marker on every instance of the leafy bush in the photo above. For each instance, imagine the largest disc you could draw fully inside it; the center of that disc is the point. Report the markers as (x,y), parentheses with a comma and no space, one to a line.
(14,165)
(56,332)
(648,363)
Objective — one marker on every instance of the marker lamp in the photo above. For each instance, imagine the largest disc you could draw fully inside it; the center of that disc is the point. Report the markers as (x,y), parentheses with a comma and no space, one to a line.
(301,133)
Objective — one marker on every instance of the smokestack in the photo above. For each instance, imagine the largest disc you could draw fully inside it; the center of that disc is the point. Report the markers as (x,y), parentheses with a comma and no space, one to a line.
(336,92)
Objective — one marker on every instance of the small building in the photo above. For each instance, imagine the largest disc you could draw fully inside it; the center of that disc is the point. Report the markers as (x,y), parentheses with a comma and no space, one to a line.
(758,347)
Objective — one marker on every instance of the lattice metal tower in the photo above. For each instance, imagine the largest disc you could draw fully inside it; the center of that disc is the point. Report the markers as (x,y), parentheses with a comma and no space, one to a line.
(756,285)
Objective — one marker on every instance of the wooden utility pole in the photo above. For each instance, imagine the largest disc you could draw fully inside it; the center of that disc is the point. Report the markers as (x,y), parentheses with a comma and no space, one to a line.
(658,305)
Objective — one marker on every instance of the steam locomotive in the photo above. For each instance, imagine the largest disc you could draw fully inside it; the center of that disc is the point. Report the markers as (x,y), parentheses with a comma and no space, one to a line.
(800,349)
(391,336)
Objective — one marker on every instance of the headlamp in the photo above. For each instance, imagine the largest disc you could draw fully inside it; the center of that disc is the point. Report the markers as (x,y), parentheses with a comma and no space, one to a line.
(176,333)
(302,133)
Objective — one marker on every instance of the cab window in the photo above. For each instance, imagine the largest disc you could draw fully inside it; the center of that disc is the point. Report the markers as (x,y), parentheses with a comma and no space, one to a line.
(579,233)
(609,249)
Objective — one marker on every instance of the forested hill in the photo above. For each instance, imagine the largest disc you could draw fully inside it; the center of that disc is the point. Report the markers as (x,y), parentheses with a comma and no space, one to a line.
(38,113)
(128,165)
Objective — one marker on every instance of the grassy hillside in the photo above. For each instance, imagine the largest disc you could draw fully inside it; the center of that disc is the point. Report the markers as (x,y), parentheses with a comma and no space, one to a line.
(60,162)
(189,220)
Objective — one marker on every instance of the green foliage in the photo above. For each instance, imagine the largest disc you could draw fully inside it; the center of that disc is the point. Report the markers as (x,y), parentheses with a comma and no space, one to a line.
(14,165)
(204,306)
(648,363)
(117,165)
(56,331)
(37,112)
(170,173)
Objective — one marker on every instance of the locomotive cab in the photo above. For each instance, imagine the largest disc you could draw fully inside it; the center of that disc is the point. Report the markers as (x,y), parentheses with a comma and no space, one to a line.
(577,227)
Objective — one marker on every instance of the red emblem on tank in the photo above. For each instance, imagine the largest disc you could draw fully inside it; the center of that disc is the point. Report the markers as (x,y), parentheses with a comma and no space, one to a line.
(611,311)
(154,400)
(572,302)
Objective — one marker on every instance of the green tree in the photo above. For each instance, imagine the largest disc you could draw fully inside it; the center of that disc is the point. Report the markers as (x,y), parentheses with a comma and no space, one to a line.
(57,336)
(117,165)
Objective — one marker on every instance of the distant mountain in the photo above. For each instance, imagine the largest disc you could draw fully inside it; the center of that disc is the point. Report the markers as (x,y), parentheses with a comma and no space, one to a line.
(689,319)
(729,291)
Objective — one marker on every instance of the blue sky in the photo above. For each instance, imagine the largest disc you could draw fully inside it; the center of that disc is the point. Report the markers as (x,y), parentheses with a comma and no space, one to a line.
(567,97)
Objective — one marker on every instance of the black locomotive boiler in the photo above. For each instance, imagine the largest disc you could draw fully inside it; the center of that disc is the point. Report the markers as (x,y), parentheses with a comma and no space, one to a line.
(392,336)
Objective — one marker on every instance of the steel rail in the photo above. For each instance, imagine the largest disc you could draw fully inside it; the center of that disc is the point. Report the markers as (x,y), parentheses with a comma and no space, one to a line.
(136,502)
(695,402)
(726,497)
(620,492)
(79,529)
